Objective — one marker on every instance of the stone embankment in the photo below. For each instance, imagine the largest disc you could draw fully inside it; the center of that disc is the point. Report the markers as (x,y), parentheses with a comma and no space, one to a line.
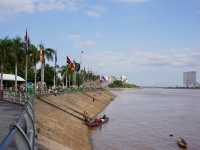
(60,119)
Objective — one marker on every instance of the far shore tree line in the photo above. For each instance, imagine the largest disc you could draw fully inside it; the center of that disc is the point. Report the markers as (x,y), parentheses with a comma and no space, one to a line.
(12,61)
(121,84)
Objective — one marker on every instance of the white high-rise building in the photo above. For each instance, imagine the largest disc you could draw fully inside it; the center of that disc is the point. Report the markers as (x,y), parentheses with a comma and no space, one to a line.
(124,79)
(189,79)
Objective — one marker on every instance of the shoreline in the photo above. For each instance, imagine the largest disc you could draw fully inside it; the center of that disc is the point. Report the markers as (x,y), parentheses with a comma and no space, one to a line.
(64,127)
(123,89)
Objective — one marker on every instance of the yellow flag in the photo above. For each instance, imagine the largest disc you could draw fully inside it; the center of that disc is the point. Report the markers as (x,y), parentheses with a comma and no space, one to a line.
(42,59)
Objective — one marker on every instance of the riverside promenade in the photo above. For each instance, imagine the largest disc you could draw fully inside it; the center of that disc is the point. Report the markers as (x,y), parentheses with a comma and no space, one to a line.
(60,121)
(17,128)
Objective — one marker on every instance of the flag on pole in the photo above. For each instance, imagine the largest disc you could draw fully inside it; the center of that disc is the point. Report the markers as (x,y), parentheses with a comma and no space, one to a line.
(26,41)
(68,60)
(42,59)
(77,66)
(72,67)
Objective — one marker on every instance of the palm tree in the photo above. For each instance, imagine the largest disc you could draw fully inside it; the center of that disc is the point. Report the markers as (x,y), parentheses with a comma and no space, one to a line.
(34,59)
(48,55)
(64,73)
(17,46)
(5,53)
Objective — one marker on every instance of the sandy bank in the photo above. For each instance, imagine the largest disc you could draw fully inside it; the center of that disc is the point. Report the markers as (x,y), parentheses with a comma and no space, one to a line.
(63,129)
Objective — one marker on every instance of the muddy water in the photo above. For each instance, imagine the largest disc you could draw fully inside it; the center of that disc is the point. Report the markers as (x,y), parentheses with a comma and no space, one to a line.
(143,119)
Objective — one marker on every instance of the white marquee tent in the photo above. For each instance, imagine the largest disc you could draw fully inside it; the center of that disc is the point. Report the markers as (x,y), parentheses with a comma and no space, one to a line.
(11,77)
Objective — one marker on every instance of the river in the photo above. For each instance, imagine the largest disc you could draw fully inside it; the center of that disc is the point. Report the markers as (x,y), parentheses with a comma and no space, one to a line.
(142,119)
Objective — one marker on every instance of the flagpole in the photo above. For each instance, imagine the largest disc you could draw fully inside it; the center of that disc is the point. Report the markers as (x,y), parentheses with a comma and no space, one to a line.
(66,82)
(26,39)
(26,69)
(35,79)
(35,72)
(66,75)
(42,60)
(15,77)
(54,80)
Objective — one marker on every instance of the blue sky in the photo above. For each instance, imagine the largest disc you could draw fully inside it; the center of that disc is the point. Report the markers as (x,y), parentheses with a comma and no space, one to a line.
(150,41)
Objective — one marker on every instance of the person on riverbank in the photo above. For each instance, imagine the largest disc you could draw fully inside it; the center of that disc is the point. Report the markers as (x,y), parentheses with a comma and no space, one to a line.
(85,115)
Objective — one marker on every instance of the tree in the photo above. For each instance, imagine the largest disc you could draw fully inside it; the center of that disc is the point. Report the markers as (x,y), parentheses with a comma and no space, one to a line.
(5,54)
(49,75)
(18,55)
(34,59)
(12,59)
(65,74)
(48,55)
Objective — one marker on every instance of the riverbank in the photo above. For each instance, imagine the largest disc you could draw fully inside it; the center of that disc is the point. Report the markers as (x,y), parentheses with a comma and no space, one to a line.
(60,119)
(123,89)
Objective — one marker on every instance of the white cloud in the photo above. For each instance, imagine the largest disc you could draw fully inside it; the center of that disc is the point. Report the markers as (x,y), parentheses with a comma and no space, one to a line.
(126,61)
(131,1)
(80,42)
(87,44)
(13,7)
(96,11)
(16,6)
(49,5)
(74,36)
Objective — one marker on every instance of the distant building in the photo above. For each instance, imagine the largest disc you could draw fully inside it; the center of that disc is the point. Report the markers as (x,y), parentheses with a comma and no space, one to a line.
(189,79)
(111,79)
(124,79)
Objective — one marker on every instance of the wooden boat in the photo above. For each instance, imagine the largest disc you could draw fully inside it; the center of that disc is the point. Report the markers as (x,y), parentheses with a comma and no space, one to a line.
(97,122)
(181,142)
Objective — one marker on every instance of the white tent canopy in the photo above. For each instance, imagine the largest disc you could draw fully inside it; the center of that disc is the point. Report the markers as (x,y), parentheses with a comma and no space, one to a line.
(11,77)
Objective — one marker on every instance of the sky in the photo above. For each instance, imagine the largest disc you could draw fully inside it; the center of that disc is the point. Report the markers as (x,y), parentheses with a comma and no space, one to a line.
(152,42)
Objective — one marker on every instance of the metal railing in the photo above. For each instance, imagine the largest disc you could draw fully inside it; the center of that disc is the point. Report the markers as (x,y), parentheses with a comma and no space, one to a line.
(22,133)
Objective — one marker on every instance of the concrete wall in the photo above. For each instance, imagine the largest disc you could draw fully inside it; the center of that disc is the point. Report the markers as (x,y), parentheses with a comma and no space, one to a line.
(61,130)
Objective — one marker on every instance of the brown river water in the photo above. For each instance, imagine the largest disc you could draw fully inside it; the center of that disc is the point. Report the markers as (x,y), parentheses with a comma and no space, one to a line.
(142,119)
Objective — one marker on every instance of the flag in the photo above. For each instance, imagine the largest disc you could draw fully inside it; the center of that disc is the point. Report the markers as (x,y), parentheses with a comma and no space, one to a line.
(77,66)
(26,40)
(42,59)
(68,60)
(71,67)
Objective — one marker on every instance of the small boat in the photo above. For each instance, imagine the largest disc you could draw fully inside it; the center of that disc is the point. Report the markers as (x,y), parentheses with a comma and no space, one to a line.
(106,119)
(181,142)
(97,122)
